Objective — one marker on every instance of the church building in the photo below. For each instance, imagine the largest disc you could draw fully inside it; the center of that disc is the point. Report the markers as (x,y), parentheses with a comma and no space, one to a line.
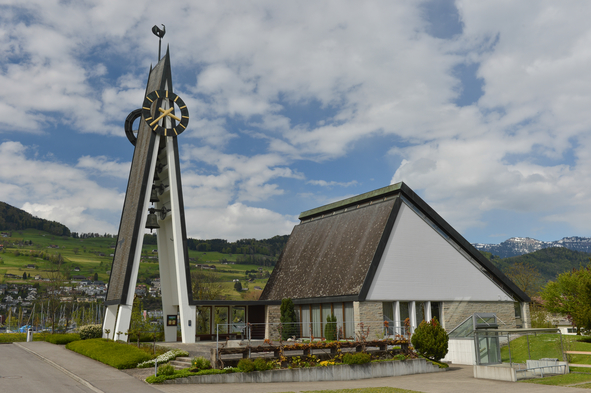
(376,259)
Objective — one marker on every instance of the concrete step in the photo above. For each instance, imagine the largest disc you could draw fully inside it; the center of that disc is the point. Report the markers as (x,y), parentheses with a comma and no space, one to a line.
(181,362)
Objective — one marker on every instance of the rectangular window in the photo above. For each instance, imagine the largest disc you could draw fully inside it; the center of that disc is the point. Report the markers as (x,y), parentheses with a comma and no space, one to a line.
(203,320)
(238,320)
(435,312)
(326,312)
(298,312)
(339,312)
(221,320)
(349,330)
(517,306)
(420,312)
(404,312)
(316,318)
(306,327)
(388,311)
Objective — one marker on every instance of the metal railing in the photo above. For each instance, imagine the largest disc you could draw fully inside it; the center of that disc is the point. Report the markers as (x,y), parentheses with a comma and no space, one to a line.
(308,332)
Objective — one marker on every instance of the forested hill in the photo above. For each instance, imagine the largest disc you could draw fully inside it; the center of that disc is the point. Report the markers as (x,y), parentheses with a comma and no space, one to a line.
(271,247)
(550,262)
(14,219)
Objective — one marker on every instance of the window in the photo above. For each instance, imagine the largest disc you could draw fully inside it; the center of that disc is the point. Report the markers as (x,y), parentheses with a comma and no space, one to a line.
(388,311)
(203,320)
(326,312)
(404,312)
(313,319)
(306,327)
(420,312)
(349,330)
(316,321)
(238,320)
(435,312)
(221,320)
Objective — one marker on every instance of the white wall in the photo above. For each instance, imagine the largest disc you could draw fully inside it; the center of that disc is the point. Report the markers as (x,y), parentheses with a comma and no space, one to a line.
(420,264)
(460,352)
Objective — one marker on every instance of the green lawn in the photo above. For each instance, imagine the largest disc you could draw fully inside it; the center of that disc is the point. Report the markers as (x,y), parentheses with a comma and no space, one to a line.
(546,346)
(363,390)
(561,380)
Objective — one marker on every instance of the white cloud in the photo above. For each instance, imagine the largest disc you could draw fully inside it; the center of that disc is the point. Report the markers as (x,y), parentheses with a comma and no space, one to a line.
(56,191)
(360,72)
(237,176)
(101,165)
(324,183)
(237,221)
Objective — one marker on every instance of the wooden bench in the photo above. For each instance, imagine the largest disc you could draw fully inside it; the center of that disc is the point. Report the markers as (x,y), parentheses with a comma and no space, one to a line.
(578,353)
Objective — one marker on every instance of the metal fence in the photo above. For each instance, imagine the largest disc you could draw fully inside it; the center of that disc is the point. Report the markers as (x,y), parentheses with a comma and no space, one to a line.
(272,333)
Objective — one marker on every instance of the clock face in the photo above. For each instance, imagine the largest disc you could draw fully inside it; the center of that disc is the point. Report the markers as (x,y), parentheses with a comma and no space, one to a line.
(163,102)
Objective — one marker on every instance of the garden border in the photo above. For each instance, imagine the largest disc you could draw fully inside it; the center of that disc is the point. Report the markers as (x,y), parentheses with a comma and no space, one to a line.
(341,372)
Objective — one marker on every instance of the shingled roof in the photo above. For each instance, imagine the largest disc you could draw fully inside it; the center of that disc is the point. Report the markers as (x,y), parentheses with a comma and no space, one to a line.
(335,250)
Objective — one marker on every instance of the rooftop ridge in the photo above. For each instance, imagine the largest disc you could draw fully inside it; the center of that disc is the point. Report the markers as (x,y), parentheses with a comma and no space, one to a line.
(351,201)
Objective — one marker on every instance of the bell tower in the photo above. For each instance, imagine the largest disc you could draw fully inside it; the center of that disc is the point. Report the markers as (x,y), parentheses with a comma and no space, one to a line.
(154,200)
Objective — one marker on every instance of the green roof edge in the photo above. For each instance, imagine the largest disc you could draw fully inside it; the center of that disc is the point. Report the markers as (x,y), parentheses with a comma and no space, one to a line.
(350,201)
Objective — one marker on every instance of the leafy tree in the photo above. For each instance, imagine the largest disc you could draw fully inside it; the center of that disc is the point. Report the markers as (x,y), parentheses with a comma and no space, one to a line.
(430,340)
(238,286)
(138,323)
(570,295)
(288,319)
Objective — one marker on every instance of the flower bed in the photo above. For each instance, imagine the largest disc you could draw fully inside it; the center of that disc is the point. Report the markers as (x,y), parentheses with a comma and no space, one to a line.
(340,372)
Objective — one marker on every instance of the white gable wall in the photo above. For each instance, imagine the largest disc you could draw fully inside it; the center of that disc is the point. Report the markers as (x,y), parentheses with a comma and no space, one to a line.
(420,264)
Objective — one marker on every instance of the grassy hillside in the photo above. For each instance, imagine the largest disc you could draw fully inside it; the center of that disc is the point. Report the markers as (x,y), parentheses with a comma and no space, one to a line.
(94,255)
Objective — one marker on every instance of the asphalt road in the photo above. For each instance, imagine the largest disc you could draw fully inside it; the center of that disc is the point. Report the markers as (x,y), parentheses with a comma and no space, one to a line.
(21,371)
(48,368)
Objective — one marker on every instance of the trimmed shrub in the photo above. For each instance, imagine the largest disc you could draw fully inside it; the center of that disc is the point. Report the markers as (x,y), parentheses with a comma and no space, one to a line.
(90,331)
(330,329)
(288,319)
(62,339)
(118,355)
(430,340)
(246,365)
(166,369)
(260,364)
(201,363)
(356,358)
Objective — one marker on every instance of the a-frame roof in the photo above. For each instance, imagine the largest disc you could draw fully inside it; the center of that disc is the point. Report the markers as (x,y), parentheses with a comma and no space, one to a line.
(333,254)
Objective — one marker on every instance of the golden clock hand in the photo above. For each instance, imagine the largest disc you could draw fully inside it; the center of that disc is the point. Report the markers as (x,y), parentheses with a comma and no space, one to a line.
(164,113)
(169,115)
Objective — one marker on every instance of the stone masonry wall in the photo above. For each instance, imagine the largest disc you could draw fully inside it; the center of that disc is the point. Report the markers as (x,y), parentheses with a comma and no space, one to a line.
(372,316)
(272,319)
(455,313)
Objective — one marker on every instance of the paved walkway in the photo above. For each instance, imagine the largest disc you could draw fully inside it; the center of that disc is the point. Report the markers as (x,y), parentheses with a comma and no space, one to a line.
(94,376)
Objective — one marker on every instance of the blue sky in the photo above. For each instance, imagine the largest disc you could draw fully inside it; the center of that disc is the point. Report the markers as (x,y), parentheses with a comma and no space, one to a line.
(481,107)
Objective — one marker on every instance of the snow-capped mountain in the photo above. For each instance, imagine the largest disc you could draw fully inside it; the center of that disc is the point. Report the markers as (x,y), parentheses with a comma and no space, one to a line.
(524,245)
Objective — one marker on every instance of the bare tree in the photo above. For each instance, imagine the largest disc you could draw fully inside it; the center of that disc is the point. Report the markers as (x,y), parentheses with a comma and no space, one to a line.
(526,277)
(53,290)
(206,285)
